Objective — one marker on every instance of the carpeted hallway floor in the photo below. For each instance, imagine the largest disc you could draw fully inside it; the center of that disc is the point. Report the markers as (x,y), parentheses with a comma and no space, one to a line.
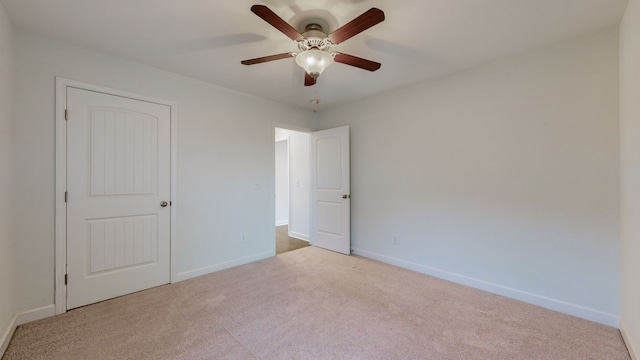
(284,243)
(314,304)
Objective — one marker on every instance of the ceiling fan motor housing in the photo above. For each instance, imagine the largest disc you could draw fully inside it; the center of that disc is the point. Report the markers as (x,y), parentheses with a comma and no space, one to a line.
(314,38)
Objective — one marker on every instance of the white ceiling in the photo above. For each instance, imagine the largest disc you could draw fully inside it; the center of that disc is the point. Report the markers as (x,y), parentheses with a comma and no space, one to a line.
(418,41)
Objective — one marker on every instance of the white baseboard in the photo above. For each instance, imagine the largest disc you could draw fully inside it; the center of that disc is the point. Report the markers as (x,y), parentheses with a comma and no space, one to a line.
(36,314)
(7,334)
(627,341)
(528,297)
(221,266)
(298,236)
(23,318)
(282,223)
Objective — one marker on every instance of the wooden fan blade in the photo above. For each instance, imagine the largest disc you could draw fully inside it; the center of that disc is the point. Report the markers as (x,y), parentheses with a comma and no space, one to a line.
(357,62)
(267,58)
(276,21)
(309,80)
(369,18)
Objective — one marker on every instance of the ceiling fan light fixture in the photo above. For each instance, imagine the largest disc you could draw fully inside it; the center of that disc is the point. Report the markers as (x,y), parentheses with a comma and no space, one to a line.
(314,44)
(314,61)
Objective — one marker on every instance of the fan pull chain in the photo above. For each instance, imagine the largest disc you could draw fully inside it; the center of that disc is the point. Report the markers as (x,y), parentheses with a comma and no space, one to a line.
(315,103)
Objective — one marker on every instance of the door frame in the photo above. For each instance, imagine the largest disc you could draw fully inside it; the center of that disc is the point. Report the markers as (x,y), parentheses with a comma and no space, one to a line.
(287,141)
(60,247)
(276,125)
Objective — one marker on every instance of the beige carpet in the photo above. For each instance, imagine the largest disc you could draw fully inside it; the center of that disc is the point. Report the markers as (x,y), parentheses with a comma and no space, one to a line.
(314,304)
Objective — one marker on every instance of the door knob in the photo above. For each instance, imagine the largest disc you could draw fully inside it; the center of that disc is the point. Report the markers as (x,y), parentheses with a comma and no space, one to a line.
(164,204)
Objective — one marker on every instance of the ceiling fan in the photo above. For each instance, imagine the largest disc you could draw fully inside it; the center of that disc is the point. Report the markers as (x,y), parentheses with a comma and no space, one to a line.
(314,44)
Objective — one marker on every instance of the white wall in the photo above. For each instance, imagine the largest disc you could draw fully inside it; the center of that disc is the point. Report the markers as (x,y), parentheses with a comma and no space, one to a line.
(504,177)
(7,239)
(282,182)
(300,224)
(225,148)
(630,174)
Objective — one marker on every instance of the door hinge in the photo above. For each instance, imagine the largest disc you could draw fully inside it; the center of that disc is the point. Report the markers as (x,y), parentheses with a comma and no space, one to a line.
(66,114)
(66,279)
(66,196)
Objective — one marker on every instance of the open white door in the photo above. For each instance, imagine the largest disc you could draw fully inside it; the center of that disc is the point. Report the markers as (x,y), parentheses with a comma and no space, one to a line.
(118,183)
(330,190)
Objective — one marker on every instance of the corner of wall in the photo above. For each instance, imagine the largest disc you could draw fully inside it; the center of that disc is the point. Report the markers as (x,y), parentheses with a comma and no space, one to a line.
(632,351)
(7,334)
(630,175)
(23,318)
(8,316)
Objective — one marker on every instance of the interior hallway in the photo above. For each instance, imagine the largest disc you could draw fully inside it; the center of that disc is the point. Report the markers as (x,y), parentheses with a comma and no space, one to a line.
(284,243)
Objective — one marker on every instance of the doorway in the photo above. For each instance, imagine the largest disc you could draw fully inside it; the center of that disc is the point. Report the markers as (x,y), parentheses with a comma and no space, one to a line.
(292,186)
(318,176)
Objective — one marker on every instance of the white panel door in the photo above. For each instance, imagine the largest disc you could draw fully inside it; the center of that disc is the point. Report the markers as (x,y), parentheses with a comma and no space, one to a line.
(118,176)
(331,198)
